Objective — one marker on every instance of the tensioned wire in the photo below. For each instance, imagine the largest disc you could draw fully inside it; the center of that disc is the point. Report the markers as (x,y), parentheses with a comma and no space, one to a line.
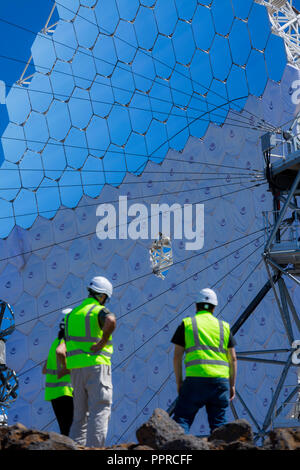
(166,380)
(167,172)
(140,277)
(152,57)
(124,152)
(153,111)
(149,339)
(180,313)
(118,225)
(280,126)
(220,314)
(128,153)
(279,144)
(139,198)
(168,140)
(163,292)
(154,394)
(242,178)
(130,198)
(189,277)
(147,274)
(48,424)
(188,125)
(154,151)
(115,103)
(177,133)
(117,65)
(238,289)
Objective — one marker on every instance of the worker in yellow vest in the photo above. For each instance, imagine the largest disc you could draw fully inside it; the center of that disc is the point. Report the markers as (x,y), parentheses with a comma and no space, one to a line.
(210,364)
(87,353)
(58,387)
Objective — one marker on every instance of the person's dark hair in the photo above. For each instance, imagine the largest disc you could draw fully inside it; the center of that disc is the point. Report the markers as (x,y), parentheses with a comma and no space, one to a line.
(94,294)
(204,306)
(61,333)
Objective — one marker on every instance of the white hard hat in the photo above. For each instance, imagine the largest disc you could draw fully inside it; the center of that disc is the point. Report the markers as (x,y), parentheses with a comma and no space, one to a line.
(101,285)
(207,296)
(65,311)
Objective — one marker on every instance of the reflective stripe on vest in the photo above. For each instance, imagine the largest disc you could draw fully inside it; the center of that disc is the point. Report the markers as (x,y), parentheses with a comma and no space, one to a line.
(58,384)
(54,387)
(206,356)
(84,319)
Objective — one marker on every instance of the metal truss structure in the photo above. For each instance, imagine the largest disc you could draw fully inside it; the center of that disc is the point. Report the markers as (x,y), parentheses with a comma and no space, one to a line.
(59,102)
(284,18)
(282,260)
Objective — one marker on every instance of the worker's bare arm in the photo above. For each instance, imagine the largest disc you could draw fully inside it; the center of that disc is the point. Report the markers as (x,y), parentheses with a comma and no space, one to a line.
(108,328)
(61,352)
(177,362)
(231,355)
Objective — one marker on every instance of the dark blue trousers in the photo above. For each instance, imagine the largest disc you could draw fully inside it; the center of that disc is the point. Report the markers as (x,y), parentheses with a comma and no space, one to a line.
(196,392)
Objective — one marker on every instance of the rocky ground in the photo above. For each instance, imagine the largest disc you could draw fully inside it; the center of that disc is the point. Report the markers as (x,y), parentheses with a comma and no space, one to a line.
(159,433)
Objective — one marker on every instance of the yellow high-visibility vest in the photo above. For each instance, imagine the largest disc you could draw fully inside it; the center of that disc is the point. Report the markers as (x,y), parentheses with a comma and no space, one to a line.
(55,387)
(82,330)
(206,345)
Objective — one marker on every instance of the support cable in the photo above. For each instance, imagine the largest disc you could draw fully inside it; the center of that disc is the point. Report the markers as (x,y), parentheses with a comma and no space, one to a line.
(244,180)
(241,123)
(154,394)
(168,323)
(157,60)
(140,198)
(153,298)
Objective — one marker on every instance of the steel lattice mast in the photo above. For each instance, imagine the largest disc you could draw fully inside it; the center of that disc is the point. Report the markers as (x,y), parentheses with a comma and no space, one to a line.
(285,18)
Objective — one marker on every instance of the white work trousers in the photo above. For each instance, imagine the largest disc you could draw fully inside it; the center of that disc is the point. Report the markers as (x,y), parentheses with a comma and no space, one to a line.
(92,404)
